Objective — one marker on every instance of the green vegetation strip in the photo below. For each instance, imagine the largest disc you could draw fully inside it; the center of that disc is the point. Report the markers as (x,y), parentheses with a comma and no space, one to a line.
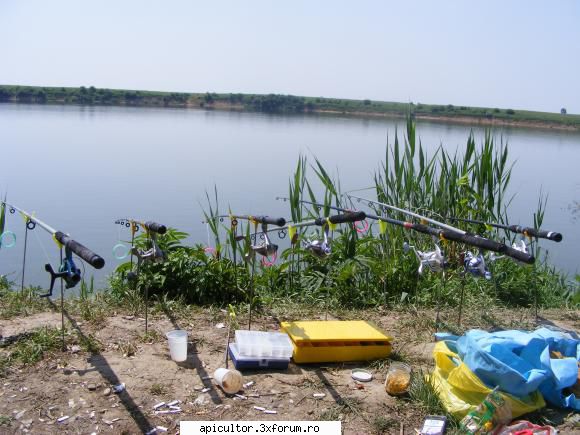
(273,103)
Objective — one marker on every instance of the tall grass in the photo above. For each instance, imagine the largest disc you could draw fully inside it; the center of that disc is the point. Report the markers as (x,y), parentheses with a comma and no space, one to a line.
(367,269)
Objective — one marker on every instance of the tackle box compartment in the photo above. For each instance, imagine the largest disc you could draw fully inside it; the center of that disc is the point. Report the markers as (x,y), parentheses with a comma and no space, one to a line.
(264,344)
(252,363)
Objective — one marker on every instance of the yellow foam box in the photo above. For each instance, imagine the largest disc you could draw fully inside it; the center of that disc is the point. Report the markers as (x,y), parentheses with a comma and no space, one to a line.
(337,340)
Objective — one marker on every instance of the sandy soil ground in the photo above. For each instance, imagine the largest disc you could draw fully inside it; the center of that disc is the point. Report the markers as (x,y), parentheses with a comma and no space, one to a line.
(78,384)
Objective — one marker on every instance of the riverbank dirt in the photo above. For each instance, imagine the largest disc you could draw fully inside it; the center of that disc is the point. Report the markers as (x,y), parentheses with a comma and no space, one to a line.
(77,383)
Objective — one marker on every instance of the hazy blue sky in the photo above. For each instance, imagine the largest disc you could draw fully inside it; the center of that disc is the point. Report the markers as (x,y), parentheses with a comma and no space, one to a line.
(519,54)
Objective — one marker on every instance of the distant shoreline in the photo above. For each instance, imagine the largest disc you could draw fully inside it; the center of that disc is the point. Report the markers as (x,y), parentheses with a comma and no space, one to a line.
(463,120)
(289,104)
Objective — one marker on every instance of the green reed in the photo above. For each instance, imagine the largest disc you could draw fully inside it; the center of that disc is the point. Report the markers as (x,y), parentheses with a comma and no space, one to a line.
(368,269)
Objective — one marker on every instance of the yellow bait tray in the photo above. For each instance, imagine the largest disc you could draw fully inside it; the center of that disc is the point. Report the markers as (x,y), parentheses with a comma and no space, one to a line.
(336,340)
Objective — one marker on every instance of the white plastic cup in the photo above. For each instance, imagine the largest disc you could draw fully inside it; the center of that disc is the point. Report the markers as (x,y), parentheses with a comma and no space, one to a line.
(231,381)
(177,340)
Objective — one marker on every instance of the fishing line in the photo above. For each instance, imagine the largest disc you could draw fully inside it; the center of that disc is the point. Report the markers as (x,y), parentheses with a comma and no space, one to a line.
(252,283)
(62,306)
(153,253)
(24,257)
(67,271)
(41,246)
(120,250)
(208,238)
(463,278)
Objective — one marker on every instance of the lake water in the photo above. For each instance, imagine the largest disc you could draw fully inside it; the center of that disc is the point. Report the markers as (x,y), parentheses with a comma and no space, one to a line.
(81,168)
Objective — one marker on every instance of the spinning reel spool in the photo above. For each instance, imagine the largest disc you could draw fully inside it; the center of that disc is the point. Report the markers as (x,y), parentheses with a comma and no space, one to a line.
(432,260)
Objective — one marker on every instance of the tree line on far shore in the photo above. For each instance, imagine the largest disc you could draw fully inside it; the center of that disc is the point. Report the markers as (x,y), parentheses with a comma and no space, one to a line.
(270,103)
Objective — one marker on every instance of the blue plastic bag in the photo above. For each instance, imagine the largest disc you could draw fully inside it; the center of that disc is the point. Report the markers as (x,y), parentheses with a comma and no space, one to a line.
(520,362)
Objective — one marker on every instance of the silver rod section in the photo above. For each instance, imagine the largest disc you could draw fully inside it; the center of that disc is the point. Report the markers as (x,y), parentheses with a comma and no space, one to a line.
(31,218)
(410,213)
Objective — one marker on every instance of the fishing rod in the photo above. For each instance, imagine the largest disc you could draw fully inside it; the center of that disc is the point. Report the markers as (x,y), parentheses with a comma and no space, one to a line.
(291,227)
(526,231)
(473,264)
(265,248)
(454,236)
(433,260)
(67,271)
(520,245)
(320,248)
(152,229)
(452,233)
(152,254)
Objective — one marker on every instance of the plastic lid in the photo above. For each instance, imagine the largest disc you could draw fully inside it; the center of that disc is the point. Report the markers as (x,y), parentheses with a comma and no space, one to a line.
(361,375)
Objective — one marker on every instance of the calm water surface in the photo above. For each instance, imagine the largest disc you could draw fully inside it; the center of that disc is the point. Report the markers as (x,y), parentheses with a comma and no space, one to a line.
(80,168)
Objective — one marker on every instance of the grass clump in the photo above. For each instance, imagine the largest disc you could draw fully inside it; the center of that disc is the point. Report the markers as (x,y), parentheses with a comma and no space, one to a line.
(424,393)
(344,405)
(381,424)
(20,303)
(31,348)
(128,348)
(158,389)
(89,343)
(150,337)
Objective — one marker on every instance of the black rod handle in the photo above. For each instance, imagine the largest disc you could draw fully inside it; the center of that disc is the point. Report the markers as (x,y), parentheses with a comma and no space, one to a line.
(519,255)
(82,251)
(155,227)
(542,234)
(342,218)
(476,241)
(280,222)
(419,227)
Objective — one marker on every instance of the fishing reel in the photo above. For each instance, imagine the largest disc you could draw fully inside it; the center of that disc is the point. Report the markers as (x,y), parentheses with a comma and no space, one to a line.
(319,247)
(475,265)
(67,271)
(520,245)
(153,254)
(433,260)
(265,248)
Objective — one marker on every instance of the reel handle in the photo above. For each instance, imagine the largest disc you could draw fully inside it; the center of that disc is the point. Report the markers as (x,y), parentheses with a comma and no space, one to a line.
(155,227)
(72,278)
(83,252)
(542,234)
(342,218)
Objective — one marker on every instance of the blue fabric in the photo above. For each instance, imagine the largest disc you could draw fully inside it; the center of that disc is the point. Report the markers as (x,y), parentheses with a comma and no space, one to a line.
(519,362)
